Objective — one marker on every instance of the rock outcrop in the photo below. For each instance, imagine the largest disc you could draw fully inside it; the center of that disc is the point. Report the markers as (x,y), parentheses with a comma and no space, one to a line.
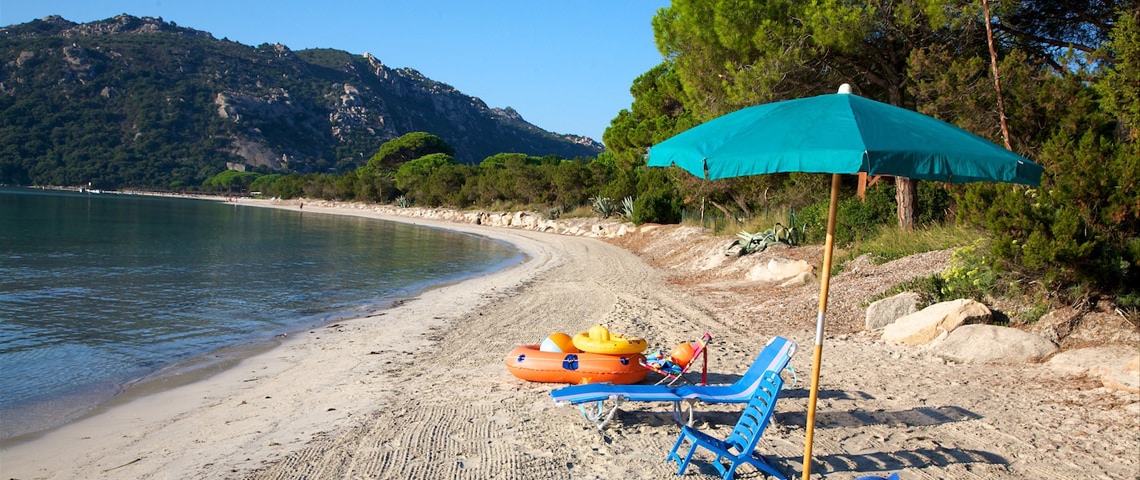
(993,344)
(886,311)
(932,322)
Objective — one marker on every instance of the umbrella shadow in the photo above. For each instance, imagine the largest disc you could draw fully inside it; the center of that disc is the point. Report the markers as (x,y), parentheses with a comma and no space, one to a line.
(900,459)
(913,417)
(825,394)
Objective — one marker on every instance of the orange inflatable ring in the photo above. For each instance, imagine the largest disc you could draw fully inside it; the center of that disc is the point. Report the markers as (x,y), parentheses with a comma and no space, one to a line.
(600,340)
(529,363)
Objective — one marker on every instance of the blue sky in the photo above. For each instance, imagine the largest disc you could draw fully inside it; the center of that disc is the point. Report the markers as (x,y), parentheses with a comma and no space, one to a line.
(564,66)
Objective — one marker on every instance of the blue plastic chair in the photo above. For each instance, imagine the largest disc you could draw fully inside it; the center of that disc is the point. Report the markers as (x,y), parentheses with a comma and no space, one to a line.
(740,445)
(774,357)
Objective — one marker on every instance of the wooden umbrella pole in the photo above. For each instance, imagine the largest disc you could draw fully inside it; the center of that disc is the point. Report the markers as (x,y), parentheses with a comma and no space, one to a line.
(824,284)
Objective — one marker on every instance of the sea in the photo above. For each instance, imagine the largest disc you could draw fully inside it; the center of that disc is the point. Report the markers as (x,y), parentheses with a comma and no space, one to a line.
(102,291)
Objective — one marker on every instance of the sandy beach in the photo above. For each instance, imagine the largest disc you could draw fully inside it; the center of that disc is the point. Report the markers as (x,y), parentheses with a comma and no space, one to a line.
(420,390)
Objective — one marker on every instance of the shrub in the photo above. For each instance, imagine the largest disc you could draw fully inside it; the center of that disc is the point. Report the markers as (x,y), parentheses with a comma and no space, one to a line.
(657,206)
(970,274)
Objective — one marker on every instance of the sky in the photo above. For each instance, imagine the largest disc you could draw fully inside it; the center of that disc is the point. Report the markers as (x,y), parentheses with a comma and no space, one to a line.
(566,67)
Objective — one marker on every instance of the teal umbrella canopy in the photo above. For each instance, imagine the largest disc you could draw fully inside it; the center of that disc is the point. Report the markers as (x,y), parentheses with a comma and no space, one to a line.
(840,133)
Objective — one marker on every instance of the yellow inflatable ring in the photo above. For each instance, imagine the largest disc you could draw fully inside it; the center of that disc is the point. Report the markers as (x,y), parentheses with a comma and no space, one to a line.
(599,340)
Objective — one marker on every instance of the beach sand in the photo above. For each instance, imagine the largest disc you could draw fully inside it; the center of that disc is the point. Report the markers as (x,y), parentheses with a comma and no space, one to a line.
(420,390)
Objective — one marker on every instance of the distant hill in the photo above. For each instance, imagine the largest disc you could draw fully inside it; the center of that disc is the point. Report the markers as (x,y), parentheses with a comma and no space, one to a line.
(141,102)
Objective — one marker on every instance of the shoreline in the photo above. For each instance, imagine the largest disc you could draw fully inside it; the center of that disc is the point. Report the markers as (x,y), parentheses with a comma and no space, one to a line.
(421,390)
(26,422)
(162,397)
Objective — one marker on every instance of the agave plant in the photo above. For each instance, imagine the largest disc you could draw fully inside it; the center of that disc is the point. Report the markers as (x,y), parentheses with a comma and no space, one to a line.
(604,206)
(627,207)
(403,201)
(750,243)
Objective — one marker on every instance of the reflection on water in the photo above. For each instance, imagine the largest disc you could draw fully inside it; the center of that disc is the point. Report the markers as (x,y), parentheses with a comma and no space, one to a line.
(96,290)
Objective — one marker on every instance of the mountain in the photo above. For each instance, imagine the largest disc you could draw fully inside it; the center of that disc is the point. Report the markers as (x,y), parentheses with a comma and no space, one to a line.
(141,102)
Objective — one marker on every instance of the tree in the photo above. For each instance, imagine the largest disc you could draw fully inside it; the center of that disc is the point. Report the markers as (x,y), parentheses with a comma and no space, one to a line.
(230,181)
(1049,29)
(376,179)
(405,148)
(413,177)
(657,113)
(731,54)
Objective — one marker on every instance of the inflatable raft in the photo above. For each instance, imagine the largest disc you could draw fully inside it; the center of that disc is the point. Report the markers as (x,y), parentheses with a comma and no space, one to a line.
(529,363)
(599,340)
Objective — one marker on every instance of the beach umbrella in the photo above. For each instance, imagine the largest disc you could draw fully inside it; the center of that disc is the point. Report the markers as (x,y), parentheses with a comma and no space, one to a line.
(839,133)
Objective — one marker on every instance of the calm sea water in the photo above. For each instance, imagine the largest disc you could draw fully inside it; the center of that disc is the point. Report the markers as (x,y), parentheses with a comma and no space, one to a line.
(99,290)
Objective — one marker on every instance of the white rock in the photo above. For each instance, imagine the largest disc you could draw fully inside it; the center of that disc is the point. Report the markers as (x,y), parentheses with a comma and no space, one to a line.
(886,311)
(924,326)
(779,270)
(993,344)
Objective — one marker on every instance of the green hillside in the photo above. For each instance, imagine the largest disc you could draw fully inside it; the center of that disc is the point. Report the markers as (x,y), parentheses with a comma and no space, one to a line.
(145,103)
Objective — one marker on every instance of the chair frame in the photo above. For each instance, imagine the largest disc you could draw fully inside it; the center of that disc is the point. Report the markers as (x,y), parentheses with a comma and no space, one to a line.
(775,357)
(740,446)
(702,351)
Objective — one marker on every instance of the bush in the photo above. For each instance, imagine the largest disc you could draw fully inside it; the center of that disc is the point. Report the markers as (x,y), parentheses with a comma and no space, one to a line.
(970,274)
(855,219)
(657,206)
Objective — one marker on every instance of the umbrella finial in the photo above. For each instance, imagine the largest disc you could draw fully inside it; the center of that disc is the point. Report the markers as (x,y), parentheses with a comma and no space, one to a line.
(845,88)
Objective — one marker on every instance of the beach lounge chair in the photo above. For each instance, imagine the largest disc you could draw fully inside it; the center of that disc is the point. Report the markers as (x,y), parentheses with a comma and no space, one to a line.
(740,445)
(671,373)
(774,357)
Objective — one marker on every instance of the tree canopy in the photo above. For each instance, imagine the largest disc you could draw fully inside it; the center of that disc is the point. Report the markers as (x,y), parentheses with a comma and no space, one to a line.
(1068,80)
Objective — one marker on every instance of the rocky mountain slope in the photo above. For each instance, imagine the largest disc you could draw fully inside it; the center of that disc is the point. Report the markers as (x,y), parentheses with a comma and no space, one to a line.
(147,103)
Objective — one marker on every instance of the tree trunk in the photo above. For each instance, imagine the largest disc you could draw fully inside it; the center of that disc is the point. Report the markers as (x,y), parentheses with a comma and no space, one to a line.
(906,196)
(997,76)
(905,188)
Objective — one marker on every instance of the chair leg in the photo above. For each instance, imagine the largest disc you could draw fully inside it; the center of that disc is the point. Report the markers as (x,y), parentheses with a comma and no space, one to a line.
(673,456)
(725,473)
(688,457)
(673,453)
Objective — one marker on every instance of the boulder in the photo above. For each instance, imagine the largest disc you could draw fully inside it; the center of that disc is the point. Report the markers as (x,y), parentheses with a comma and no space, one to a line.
(802,278)
(886,311)
(993,344)
(1117,366)
(1057,324)
(925,325)
(779,270)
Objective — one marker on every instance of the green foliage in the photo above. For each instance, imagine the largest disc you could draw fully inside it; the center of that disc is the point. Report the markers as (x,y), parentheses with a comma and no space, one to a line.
(928,289)
(969,275)
(757,242)
(657,113)
(230,181)
(890,243)
(656,206)
(426,178)
(144,103)
(1074,231)
(855,219)
(627,207)
(406,148)
(605,206)
(1118,87)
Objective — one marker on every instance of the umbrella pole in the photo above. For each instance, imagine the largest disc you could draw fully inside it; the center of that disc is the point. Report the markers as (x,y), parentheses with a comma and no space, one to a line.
(824,283)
